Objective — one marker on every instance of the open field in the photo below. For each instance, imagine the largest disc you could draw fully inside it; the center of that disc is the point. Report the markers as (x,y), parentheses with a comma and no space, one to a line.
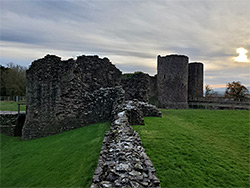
(199,148)
(64,160)
(189,148)
(11,106)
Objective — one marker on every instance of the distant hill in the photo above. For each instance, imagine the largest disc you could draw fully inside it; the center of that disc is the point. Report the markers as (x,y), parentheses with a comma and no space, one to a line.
(221,90)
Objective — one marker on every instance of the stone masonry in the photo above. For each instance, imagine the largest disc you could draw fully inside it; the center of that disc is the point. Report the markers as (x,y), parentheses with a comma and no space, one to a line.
(123,161)
(172,81)
(176,82)
(11,123)
(139,86)
(64,95)
(195,81)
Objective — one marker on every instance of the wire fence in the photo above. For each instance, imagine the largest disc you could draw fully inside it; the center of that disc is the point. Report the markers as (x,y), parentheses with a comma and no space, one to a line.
(13,98)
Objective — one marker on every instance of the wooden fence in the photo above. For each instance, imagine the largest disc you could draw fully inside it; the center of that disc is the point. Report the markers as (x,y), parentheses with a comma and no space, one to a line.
(219,103)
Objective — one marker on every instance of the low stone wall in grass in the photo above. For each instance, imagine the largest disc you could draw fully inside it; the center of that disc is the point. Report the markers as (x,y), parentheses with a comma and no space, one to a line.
(12,123)
(123,161)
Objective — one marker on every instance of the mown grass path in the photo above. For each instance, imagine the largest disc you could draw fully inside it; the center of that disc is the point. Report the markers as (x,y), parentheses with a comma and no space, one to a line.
(199,148)
(64,160)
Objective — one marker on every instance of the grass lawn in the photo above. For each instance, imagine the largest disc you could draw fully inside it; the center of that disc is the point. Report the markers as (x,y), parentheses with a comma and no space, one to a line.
(11,106)
(64,160)
(199,148)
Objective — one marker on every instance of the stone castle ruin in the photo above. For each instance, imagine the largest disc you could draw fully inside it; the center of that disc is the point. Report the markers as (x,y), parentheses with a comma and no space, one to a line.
(172,81)
(64,95)
(195,80)
(177,81)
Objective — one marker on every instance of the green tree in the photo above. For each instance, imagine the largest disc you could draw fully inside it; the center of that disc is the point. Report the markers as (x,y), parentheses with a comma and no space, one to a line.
(2,82)
(236,91)
(13,80)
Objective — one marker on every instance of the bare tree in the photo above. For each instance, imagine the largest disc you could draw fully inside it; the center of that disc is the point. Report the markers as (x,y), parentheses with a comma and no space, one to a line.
(209,92)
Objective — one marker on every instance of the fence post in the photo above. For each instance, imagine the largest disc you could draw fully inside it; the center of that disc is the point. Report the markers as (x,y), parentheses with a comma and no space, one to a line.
(18,109)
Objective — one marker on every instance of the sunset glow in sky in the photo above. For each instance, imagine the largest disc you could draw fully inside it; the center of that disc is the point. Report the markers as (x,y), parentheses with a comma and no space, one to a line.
(131,33)
(242,57)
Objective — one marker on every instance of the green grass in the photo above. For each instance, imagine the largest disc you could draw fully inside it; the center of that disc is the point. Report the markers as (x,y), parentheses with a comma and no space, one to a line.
(199,148)
(64,160)
(11,106)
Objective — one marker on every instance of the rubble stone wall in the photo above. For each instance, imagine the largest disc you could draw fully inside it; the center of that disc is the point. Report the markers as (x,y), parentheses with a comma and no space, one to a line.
(11,124)
(136,87)
(123,161)
(63,95)
(153,91)
(92,108)
(139,86)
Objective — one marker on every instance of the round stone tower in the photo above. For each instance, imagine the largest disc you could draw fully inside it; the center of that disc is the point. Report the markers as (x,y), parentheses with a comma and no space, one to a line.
(172,81)
(195,80)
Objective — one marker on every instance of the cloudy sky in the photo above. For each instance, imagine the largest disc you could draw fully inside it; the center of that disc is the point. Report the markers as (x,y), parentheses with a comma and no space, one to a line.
(131,33)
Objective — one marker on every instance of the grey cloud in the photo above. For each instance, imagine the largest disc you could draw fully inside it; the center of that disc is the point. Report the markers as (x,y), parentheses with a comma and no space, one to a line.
(228,75)
(56,10)
(208,31)
(21,36)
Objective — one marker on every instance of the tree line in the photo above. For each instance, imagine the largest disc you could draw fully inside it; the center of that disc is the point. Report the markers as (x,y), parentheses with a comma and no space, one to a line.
(234,90)
(13,80)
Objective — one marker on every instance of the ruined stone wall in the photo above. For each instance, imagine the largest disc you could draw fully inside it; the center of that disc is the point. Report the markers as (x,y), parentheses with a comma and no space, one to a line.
(123,161)
(153,90)
(172,81)
(139,86)
(195,81)
(176,82)
(63,95)
(136,86)
(67,94)
(11,124)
